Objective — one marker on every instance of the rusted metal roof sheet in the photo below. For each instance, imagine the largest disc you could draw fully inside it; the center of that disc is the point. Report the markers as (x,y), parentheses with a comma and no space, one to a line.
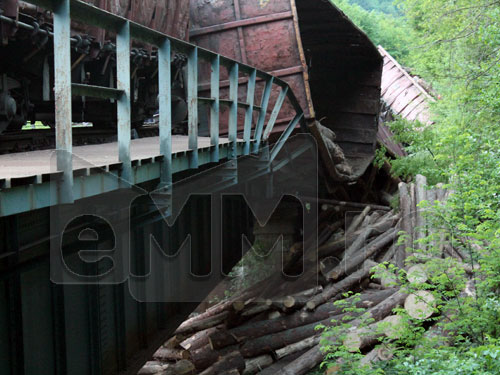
(403,96)
(402,93)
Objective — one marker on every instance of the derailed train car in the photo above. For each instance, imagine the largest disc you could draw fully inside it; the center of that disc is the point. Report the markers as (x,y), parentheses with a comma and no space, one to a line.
(331,65)
(26,76)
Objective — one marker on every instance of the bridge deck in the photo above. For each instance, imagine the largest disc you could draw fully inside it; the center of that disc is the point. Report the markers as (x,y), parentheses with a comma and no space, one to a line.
(26,164)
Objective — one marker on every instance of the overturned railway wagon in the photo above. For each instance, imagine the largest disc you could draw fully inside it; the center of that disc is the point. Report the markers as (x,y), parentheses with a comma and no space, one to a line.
(331,65)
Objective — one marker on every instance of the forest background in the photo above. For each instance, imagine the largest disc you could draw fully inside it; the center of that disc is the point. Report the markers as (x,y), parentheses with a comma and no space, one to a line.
(454,45)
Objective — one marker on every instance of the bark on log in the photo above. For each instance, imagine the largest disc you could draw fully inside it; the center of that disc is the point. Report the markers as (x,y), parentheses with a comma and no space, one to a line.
(420,195)
(269,343)
(221,338)
(254,365)
(206,356)
(342,286)
(297,347)
(199,325)
(199,339)
(299,318)
(405,206)
(390,254)
(358,243)
(358,220)
(278,365)
(334,202)
(165,354)
(304,363)
(257,309)
(349,264)
(334,248)
(183,367)
(224,305)
(152,367)
(231,361)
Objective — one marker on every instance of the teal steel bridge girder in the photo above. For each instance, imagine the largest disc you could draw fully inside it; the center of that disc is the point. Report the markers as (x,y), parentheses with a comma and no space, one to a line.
(72,185)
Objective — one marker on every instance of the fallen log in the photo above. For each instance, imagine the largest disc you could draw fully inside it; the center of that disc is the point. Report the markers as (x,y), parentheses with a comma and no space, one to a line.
(222,306)
(199,325)
(334,202)
(278,365)
(199,339)
(166,354)
(420,196)
(335,248)
(269,343)
(343,286)
(231,361)
(315,356)
(420,304)
(406,225)
(205,356)
(296,347)
(303,364)
(349,264)
(299,318)
(417,275)
(358,220)
(254,365)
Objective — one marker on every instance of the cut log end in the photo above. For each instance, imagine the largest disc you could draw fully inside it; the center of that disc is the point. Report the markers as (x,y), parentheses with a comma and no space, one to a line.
(420,305)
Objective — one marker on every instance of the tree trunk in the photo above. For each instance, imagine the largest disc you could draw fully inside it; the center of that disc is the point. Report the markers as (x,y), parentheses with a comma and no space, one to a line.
(358,220)
(199,325)
(333,289)
(165,354)
(420,195)
(296,347)
(350,264)
(206,356)
(254,365)
(199,339)
(231,361)
(304,363)
(405,205)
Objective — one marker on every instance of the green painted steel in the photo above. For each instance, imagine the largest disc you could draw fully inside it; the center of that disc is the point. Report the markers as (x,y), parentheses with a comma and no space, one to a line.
(214,108)
(62,93)
(165,124)
(68,185)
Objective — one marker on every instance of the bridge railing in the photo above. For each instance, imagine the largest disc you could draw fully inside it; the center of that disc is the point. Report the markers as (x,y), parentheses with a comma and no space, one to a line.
(66,10)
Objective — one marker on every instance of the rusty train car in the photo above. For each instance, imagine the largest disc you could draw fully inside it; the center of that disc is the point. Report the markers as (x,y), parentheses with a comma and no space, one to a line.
(26,76)
(331,65)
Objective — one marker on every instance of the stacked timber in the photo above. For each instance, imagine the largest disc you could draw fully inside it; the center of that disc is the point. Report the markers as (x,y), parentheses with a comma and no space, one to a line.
(271,327)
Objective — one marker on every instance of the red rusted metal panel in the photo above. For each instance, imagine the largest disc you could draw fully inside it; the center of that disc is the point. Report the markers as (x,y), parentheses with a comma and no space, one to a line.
(259,33)
(331,65)
(167,16)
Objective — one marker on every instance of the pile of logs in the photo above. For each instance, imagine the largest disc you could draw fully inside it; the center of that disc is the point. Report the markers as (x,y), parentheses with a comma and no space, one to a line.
(270,328)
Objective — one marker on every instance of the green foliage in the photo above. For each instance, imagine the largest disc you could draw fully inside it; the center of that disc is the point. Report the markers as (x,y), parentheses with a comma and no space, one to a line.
(383,6)
(384,29)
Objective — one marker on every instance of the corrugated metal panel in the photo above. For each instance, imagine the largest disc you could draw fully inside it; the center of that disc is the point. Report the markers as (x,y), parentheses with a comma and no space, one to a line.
(403,96)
